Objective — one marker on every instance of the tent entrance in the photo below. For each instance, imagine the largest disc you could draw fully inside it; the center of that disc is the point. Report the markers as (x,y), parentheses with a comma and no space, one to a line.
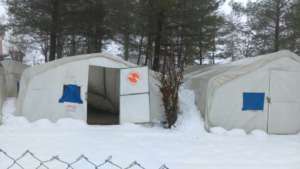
(103,96)
(284,109)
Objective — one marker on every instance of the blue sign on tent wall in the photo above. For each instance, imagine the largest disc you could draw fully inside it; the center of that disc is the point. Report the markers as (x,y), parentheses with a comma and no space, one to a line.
(253,101)
(71,94)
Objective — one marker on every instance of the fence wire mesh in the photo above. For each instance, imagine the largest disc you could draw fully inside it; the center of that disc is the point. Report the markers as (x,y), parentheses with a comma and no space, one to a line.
(15,163)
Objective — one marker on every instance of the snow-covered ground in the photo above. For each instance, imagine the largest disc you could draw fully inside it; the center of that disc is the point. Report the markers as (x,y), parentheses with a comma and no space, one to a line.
(187,146)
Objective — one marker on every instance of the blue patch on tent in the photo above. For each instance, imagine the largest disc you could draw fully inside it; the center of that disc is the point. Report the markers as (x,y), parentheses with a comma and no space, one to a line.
(253,101)
(71,93)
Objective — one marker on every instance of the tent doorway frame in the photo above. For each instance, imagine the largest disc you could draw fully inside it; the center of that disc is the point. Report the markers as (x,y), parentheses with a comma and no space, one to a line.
(277,118)
(109,112)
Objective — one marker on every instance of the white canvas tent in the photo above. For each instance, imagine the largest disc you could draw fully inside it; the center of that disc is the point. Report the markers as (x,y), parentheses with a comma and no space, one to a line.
(97,88)
(13,71)
(255,93)
(2,90)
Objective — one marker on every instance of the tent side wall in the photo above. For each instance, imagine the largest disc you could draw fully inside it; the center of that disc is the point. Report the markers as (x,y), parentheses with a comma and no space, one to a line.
(227,101)
(199,82)
(2,91)
(13,72)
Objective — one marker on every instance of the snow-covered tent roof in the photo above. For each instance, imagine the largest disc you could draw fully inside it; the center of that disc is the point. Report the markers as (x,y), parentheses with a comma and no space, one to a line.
(195,68)
(206,81)
(32,72)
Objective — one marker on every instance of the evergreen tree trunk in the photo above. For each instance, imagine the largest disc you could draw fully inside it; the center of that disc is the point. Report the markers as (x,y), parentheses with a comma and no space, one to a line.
(277,27)
(45,48)
(157,48)
(126,46)
(99,40)
(148,50)
(181,42)
(54,26)
(94,40)
(89,42)
(53,39)
(73,45)
(95,44)
(140,49)
(200,55)
(59,49)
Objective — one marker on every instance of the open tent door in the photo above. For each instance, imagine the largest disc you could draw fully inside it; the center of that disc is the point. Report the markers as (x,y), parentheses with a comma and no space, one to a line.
(284,113)
(134,95)
(103,95)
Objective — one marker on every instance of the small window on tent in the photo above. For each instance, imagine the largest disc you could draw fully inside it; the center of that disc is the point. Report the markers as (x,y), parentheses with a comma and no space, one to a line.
(253,101)
(71,94)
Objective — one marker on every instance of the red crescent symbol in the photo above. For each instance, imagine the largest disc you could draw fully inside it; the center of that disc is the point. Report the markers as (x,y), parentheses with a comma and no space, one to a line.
(133,77)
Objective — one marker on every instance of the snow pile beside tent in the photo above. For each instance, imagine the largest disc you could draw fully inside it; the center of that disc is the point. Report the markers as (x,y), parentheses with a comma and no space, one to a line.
(189,119)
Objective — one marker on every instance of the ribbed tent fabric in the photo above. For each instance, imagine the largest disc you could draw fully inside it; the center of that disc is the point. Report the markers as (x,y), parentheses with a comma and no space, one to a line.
(13,71)
(42,87)
(221,92)
(2,90)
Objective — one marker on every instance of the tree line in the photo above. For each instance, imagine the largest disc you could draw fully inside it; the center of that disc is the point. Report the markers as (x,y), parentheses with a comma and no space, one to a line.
(264,26)
(149,31)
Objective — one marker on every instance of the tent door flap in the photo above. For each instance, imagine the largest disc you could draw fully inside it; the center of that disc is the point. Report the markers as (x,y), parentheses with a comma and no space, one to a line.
(134,95)
(284,111)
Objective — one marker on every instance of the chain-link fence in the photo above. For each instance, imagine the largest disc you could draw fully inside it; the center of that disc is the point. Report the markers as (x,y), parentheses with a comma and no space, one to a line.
(15,163)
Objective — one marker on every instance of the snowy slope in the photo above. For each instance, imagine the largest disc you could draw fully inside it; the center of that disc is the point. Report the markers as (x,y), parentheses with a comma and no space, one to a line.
(187,146)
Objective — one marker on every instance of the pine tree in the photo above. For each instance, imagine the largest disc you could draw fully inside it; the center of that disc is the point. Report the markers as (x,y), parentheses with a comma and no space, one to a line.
(267,20)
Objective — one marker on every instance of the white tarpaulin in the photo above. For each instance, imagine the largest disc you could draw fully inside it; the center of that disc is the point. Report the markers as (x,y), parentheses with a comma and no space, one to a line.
(47,90)
(237,95)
